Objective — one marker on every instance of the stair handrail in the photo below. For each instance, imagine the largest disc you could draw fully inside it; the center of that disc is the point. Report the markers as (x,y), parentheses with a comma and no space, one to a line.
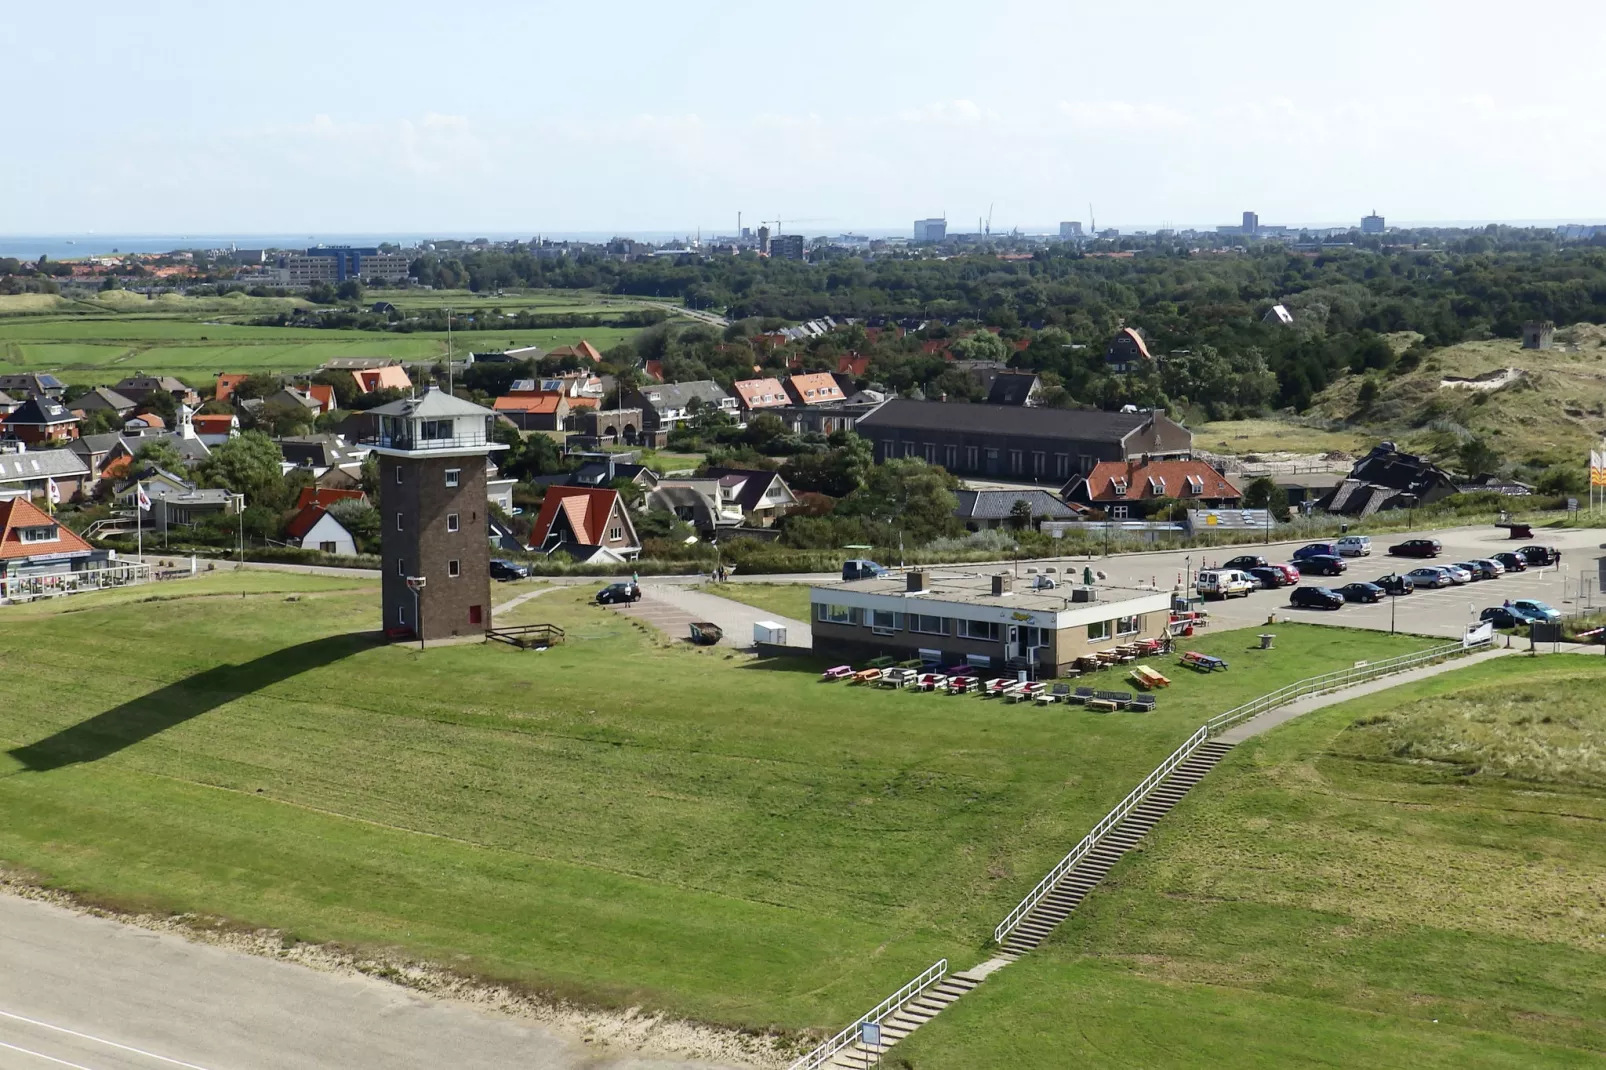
(925,979)
(1313,685)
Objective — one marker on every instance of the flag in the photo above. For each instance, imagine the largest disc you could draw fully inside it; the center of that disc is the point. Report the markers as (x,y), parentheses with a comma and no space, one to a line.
(52,491)
(142,498)
(1597,468)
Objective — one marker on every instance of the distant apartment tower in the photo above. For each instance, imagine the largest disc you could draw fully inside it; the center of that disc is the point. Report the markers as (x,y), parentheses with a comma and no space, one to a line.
(787,247)
(337,263)
(763,241)
(931,229)
(1372,224)
(1538,334)
(1251,223)
(1069,231)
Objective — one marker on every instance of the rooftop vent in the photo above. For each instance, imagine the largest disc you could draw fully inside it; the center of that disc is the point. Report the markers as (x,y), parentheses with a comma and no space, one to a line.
(915,582)
(1003,583)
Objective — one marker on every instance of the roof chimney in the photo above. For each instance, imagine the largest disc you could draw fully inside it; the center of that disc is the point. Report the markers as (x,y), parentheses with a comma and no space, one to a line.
(1003,583)
(915,582)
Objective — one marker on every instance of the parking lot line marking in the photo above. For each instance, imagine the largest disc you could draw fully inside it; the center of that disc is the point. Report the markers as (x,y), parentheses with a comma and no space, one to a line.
(97,1040)
(42,1055)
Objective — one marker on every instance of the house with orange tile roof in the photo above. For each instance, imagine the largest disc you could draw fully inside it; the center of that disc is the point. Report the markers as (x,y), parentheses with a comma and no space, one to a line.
(215,428)
(583,349)
(756,395)
(1128,489)
(590,524)
(226,384)
(535,410)
(328,496)
(852,364)
(323,394)
(315,528)
(145,423)
(816,388)
(40,555)
(390,377)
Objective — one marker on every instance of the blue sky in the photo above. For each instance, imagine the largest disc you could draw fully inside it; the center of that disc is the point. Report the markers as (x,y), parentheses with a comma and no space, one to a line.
(168,117)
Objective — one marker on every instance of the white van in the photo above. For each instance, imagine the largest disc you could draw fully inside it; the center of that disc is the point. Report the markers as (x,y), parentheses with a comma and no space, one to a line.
(1225,583)
(1355,546)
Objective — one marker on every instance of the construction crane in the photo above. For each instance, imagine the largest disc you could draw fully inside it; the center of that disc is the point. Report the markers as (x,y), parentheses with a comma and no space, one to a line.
(777,222)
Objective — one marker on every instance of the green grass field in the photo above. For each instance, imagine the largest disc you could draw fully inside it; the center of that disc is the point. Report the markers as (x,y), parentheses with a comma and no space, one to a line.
(787,599)
(1416,878)
(625,818)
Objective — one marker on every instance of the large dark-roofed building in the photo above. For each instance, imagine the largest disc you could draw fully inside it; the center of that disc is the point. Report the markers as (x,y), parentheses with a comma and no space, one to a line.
(1013,442)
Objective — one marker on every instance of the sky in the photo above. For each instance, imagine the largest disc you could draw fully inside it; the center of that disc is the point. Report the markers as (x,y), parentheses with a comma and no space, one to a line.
(529,117)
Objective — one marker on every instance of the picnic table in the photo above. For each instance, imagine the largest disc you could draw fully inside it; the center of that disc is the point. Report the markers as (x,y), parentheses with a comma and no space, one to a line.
(1146,677)
(1203,662)
(837,672)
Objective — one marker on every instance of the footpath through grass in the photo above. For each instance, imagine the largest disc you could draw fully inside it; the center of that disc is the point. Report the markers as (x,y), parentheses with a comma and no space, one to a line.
(1416,878)
(624,819)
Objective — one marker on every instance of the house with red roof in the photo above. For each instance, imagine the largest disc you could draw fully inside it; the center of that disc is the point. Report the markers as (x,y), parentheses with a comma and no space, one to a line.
(226,383)
(215,428)
(756,395)
(389,377)
(582,349)
(323,394)
(40,555)
(819,388)
(535,410)
(328,496)
(590,524)
(1128,489)
(852,364)
(315,528)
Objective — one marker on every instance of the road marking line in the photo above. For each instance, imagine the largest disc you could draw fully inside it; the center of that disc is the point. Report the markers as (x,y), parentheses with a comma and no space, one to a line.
(41,1055)
(97,1040)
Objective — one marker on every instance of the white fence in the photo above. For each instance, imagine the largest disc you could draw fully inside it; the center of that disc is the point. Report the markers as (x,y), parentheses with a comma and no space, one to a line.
(1314,685)
(885,1009)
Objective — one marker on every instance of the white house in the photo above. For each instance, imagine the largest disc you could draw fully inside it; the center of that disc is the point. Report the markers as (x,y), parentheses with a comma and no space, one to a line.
(329,535)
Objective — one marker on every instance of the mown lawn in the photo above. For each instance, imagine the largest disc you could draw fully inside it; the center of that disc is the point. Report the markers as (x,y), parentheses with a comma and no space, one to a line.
(787,599)
(625,818)
(1416,878)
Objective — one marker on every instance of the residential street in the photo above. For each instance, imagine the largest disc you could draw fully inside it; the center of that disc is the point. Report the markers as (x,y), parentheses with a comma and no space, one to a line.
(88,993)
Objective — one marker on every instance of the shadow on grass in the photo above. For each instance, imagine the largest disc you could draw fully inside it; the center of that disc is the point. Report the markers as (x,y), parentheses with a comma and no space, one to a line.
(139,719)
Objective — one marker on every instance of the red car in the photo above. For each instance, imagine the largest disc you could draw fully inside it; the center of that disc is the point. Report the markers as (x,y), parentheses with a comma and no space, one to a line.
(1290,573)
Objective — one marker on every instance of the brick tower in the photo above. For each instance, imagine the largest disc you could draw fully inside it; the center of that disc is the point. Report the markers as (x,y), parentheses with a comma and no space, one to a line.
(436,553)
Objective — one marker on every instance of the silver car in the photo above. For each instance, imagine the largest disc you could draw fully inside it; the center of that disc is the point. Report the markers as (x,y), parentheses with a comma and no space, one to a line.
(1433,576)
(1457,574)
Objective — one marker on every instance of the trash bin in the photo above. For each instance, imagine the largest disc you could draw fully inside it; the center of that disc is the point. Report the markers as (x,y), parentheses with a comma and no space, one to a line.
(1266,639)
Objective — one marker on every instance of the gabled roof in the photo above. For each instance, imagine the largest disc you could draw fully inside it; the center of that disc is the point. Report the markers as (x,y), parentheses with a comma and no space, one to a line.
(102,443)
(40,464)
(1128,337)
(226,384)
(214,423)
(435,403)
(21,513)
(582,349)
(663,396)
(760,393)
(149,419)
(530,403)
(316,451)
(102,397)
(1087,424)
(41,412)
(143,383)
(1157,479)
(585,509)
(818,388)
(302,522)
(323,394)
(998,504)
(1012,388)
(852,365)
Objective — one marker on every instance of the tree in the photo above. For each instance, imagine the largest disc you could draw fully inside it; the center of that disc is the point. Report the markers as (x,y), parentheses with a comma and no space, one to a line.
(358,518)
(1020,515)
(157,452)
(247,464)
(100,421)
(907,495)
(162,404)
(350,290)
(258,385)
(1261,493)
(1478,458)
(983,345)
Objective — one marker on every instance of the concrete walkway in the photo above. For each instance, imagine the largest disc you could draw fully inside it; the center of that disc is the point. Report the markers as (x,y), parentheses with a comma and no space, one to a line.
(736,618)
(1283,714)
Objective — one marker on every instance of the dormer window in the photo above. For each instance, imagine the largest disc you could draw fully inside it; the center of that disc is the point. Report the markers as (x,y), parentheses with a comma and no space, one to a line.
(1156,484)
(1120,487)
(39,533)
(1196,484)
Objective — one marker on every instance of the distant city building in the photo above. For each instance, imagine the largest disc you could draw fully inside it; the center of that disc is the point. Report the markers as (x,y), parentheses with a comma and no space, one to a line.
(787,247)
(1538,334)
(1071,230)
(931,229)
(337,263)
(1251,223)
(1372,224)
(763,241)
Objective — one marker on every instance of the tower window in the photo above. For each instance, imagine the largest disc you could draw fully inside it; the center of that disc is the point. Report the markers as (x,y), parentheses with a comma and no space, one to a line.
(398,473)
(451,521)
(452,475)
(451,568)
(399,522)
(401,567)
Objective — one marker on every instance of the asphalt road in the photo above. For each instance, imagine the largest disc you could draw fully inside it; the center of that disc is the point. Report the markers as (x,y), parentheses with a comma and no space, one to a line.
(88,993)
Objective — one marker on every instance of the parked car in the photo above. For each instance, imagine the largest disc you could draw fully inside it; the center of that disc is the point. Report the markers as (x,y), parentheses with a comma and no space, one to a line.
(1431,576)
(508,570)
(1290,573)
(615,593)
(862,569)
(1247,563)
(1268,578)
(1536,609)
(1477,571)
(1225,583)
(1540,555)
(1323,565)
(1489,564)
(1361,591)
(1513,562)
(1316,549)
(1315,598)
(1355,546)
(1507,617)
(1395,584)
(1416,548)
(1458,574)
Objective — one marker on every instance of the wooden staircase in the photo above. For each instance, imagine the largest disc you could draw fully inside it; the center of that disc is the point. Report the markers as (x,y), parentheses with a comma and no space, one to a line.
(1083,877)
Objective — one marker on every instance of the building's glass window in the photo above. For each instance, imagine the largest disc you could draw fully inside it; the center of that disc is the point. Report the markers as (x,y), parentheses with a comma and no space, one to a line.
(1038,462)
(452,476)
(1128,625)
(616,534)
(42,533)
(986,630)
(908,449)
(451,568)
(883,621)
(398,473)
(451,521)
(1062,465)
(1118,512)
(435,429)
(1015,464)
(401,567)
(919,622)
(931,453)
(950,457)
(327,547)
(836,614)
(399,522)
(401,615)
(1098,630)
(970,457)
